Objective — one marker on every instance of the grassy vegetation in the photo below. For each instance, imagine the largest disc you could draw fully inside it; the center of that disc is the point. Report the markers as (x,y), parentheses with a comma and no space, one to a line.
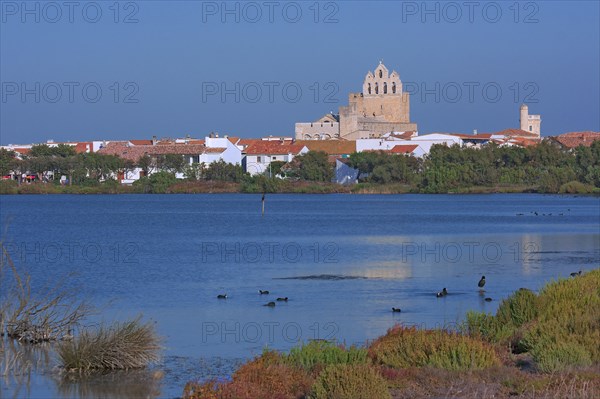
(123,346)
(405,347)
(575,187)
(350,381)
(560,327)
(557,330)
(322,353)
(276,186)
(266,377)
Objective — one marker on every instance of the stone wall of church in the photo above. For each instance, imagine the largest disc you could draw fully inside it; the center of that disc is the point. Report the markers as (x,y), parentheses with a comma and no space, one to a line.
(317,131)
(386,111)
(382,107)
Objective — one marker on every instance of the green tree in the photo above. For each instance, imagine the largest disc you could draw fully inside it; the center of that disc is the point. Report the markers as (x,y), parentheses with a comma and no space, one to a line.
(194,171)
(161,181)
(172,163)
(312,166)
(224,171)
(7,161)
(146,163)
(275,167)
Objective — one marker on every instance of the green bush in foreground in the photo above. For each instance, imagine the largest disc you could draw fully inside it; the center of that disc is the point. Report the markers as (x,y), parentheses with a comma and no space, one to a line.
(350,381)
(567,331)
(513,313)
(560,327)
(324,353)
(404,347)
(122,346)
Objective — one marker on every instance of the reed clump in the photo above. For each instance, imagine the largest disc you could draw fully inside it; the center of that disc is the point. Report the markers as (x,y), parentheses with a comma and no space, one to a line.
(122,346)
(36,316)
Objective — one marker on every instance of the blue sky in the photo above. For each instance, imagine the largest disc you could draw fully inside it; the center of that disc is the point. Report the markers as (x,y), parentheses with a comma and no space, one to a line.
(171,68)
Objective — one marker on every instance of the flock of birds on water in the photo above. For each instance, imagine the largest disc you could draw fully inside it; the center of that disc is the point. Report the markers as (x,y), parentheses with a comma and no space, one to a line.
(543,214)
(440,294)
(261,292)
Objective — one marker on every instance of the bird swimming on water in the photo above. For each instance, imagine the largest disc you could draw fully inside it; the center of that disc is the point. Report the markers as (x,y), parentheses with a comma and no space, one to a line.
(488,299)
(284,299)
(575,274)
(442,293)
(263,292)
(481,282)
(222,296)
(270,304)
(396,310)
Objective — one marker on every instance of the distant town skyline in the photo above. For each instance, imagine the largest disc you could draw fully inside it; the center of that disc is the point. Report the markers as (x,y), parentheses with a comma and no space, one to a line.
(170,69)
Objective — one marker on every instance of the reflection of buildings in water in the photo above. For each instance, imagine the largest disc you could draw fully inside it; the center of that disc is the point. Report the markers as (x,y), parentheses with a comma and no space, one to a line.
(385,269)
(529,255)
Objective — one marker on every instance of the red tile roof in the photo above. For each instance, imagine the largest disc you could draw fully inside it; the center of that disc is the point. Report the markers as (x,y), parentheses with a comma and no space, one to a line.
(273,148)
(403,149)
(134,153)
(247,142)
(523,141)
(330,147)
(22,151)
(84,147)
(141,142)
(214,150)
(575,139)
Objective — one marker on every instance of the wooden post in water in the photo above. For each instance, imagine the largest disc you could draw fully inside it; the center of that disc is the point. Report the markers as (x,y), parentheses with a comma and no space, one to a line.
(263,204)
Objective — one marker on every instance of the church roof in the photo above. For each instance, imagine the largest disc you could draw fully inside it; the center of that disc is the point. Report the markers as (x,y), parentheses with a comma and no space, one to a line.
(330,147)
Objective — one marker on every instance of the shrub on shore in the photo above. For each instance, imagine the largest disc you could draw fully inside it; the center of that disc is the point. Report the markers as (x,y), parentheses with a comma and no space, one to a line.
(324,353)
(404,347)
(265,377)
(560,327)
(350,381)
(576,187)
(513,315)
(8,187)
(122,346)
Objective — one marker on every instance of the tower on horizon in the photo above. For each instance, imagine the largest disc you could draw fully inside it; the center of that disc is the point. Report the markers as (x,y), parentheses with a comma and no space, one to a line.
(530,123)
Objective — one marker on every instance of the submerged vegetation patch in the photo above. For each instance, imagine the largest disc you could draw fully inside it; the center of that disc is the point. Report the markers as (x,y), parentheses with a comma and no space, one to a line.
(333,277)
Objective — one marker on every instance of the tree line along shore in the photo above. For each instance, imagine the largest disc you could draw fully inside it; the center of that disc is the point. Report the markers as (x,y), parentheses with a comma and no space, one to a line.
(542,168)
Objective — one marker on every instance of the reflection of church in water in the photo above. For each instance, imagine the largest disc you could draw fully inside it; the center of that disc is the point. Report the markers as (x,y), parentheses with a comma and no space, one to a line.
(382,107)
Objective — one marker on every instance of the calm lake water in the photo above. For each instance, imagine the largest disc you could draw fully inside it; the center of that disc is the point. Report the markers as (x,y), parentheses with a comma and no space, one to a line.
(343,261)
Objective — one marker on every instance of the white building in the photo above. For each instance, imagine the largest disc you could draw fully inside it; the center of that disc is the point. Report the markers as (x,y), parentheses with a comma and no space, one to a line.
(260,154)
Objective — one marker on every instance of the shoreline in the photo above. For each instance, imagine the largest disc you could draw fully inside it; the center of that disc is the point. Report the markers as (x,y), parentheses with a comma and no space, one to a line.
(506,354)
(286,188)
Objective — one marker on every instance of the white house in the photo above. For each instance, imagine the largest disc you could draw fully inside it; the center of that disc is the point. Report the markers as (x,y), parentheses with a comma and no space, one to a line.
(221,149)
(428,140)
(260,154)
